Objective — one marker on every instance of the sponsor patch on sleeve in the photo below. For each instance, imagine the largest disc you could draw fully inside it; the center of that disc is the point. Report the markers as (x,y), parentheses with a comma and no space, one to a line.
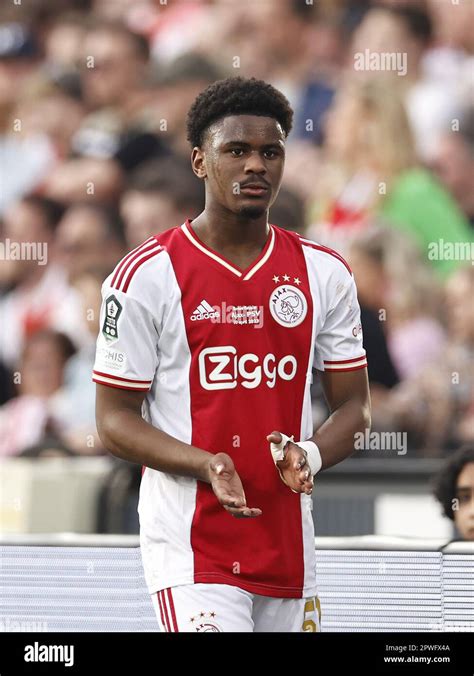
(113,310)
(112,360)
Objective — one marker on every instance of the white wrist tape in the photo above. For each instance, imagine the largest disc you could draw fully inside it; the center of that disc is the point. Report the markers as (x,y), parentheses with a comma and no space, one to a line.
(278,450)
(313,456)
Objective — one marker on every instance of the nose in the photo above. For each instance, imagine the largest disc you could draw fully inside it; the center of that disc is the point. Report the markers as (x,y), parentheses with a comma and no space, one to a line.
(255,164)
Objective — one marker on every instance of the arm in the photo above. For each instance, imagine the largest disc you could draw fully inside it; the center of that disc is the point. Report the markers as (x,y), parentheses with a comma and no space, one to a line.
(126,435)
(341,363)
(347,394)
(348,397)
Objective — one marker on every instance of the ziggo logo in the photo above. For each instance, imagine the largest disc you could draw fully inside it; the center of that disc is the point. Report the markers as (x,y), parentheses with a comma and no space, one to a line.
(220,368)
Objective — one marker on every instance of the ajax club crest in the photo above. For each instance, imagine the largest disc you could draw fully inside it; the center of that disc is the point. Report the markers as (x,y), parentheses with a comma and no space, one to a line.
(288,305)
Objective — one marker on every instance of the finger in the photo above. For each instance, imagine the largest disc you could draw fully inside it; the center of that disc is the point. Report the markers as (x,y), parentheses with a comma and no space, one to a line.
(244,512)
(227,500)
(275,437)
(250,513)
(300,462)
(308,486)
(305,475)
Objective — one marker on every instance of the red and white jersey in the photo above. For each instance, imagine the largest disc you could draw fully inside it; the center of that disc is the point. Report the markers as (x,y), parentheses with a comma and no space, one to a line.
(225,356)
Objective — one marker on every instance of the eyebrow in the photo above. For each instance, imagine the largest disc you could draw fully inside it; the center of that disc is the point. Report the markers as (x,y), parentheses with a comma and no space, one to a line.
(273,144)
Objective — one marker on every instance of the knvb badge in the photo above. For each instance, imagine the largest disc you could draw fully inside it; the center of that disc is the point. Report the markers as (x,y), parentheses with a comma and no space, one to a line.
(113,310)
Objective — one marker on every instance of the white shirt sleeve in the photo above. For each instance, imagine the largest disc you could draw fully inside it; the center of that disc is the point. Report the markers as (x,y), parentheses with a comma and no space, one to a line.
(338,345)
(126,352)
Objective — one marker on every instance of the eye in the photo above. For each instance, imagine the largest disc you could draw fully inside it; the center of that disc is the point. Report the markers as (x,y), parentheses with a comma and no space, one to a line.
(236,152)
(270,154)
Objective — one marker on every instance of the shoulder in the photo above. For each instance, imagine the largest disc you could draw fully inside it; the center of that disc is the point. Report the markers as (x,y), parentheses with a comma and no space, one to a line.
(326,259)
(145,265)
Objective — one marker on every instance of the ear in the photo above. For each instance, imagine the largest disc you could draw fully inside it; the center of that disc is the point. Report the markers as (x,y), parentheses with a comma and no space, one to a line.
(198,162)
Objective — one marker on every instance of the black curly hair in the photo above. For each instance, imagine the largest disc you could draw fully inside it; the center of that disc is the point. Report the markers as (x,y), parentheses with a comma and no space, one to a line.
(236,96)
(445,482)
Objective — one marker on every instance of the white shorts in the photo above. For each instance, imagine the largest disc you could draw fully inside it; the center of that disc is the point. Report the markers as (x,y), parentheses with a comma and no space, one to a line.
(223,607)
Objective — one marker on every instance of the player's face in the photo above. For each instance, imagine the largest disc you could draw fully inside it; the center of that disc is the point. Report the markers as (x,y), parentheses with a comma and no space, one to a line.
(242,159)
(464,515)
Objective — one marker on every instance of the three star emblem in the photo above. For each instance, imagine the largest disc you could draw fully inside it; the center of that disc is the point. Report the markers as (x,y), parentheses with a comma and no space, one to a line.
(286,278)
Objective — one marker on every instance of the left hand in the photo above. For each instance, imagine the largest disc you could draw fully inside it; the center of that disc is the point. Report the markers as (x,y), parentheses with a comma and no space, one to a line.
(294,469)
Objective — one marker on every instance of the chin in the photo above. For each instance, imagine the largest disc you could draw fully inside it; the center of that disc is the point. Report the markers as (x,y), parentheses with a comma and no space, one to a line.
(252,212)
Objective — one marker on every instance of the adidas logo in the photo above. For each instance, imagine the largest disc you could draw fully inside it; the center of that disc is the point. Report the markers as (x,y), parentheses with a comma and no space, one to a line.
(204,311)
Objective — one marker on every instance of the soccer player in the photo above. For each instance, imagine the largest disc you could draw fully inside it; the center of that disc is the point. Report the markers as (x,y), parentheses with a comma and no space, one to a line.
(209,333)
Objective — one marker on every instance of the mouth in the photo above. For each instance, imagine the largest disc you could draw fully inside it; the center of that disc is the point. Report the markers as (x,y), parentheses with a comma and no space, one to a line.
(254,189)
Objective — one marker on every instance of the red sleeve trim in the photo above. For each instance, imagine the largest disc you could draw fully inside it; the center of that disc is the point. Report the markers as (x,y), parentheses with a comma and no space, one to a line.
(121,387)
(345,361)
(353,368)
(125,380)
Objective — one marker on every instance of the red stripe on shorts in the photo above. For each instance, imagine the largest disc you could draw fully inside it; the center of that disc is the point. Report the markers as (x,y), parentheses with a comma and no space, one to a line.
(165,609)
(173,613)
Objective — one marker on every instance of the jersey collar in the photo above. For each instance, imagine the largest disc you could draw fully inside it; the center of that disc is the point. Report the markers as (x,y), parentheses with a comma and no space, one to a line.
(243,274)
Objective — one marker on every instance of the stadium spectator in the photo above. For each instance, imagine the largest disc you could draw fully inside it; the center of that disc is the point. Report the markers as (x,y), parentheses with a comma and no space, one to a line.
(288,211)
(73,409)
(450,58)
(113,66)
(436,406)
(401,29)
(395,283)
(303,173)
(112,138)
(20,57)
(173,88)
(48,110)
(160,194)
(26,419)
(371,169)
(24,147)
(41,296)
(454,489)
(281,54)
(454,163)
(90,236)
(64,42)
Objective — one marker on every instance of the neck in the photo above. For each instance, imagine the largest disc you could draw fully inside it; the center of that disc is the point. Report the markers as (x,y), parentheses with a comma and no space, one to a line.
(220,228)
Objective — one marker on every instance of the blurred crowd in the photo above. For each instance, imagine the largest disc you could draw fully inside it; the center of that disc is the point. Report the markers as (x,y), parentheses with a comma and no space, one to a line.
(94,159)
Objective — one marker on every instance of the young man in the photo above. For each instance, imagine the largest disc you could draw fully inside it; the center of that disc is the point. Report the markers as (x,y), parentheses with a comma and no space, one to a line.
(214,327)
(454,488)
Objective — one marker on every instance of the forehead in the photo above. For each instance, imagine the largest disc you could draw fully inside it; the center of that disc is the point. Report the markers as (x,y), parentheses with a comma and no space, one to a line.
(466,476)
(251,129)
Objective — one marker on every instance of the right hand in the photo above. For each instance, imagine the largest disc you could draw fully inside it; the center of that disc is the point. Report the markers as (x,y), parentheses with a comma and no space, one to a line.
(227,486)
